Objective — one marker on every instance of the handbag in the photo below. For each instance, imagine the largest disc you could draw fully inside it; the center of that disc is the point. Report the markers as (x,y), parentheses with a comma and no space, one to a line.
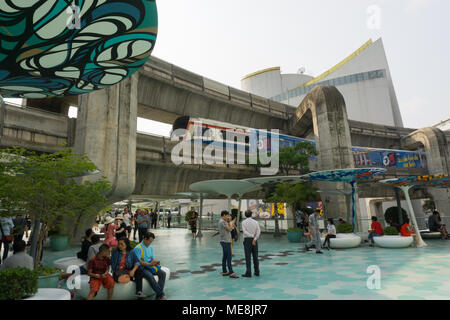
(7,239)
(152,269)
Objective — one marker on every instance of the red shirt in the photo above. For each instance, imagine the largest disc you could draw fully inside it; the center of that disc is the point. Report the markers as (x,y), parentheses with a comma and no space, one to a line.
(123,265)
(404,230)
(376,227)
(99,266)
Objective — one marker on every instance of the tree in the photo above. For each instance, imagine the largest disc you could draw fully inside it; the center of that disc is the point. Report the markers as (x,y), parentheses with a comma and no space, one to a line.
(45,186)
(295,194)
(295,158)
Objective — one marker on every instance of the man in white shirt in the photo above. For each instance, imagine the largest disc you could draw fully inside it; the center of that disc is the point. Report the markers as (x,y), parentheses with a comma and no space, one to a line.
(19,259)
(251,232)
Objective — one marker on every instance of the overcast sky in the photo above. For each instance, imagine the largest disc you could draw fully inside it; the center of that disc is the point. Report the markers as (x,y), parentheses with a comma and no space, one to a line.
(225,40)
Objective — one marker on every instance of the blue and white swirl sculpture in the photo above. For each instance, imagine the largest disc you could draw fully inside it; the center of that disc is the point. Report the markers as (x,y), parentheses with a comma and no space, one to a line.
(54,48)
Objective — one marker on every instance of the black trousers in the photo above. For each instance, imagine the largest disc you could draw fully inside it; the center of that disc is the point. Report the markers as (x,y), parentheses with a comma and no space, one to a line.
(138,277)
(327,239)
(141,232)
(251,250)
(168,222)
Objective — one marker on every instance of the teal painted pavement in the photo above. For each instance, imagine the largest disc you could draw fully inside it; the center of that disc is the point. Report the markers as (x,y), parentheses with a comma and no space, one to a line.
(287,273)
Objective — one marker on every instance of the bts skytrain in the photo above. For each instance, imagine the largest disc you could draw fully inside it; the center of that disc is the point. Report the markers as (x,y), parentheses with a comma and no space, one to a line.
(217,134)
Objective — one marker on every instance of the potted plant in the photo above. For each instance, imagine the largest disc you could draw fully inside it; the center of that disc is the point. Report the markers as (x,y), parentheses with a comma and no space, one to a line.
(48,277)
(295,234)
(390,231)
(345,228)
(58,240)
(17,283)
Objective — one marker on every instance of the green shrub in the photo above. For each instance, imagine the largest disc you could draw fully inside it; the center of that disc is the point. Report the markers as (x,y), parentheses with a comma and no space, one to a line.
(17,283)
(43,271)
(391,231)
(344,228)
(133,244)
(295,230)
(392,214)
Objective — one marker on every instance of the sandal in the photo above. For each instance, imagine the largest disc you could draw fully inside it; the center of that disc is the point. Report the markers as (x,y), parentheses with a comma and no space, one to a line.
(234,275)
(225,274)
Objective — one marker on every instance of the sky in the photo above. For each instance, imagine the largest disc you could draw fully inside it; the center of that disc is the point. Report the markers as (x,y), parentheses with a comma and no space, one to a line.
(225,40)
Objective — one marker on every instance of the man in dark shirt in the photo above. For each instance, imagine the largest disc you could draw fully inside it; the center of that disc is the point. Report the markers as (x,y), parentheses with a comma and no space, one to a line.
(435,226)
(87,242)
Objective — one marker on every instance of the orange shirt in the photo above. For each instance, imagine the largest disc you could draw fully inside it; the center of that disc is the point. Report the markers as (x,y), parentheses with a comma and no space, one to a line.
(404,230)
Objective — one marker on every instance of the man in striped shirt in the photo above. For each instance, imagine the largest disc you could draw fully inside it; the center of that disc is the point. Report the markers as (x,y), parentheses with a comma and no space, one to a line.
(251,232)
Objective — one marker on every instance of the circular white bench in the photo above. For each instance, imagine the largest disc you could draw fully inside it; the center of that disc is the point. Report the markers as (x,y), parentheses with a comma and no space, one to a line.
(50,294)
(344,241)
(64,263)
(430,235)
(393,241)
(122,291)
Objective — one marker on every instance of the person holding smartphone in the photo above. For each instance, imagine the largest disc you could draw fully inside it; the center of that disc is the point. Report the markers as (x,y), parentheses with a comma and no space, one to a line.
(225,227)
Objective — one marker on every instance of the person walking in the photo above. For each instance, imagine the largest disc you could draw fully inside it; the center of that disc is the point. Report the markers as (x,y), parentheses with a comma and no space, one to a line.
(193,224)
(143,224)
(133,222)
(251,232)
(315,233)
(127,221)
(225,228)
(169,218)
(155,219)
(6,225)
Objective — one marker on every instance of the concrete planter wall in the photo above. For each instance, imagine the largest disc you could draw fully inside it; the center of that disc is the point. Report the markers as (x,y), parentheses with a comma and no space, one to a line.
(51,281)
(295,236)
(59,243)
(393,241)
(344,241)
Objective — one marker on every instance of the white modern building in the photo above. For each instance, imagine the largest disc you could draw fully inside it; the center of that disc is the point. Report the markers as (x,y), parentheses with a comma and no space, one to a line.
(363,78)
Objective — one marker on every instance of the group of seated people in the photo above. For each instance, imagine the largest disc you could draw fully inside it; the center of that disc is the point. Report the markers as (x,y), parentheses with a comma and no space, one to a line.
(376,230)
(435,225)
(107,265)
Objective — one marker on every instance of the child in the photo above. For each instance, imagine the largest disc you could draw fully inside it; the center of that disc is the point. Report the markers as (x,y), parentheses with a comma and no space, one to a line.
(98,270)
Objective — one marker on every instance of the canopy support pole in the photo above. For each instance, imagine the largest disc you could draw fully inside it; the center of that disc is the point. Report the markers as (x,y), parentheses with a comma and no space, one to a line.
(199,233)
(420,242)
(353,184)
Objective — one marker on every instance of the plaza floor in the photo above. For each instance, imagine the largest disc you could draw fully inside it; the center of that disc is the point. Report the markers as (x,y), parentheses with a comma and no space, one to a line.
(288,274)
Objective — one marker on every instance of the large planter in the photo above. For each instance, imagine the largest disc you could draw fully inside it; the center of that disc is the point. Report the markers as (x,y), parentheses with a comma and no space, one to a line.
(65,263)
(51,281)
(431,235)
(295,236)
(50,294)
(393,241)
(344,241)
(59,243)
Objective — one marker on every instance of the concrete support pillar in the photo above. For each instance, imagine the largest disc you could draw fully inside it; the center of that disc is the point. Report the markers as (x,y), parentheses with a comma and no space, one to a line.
(106,132)
(436,147)
(323,112)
